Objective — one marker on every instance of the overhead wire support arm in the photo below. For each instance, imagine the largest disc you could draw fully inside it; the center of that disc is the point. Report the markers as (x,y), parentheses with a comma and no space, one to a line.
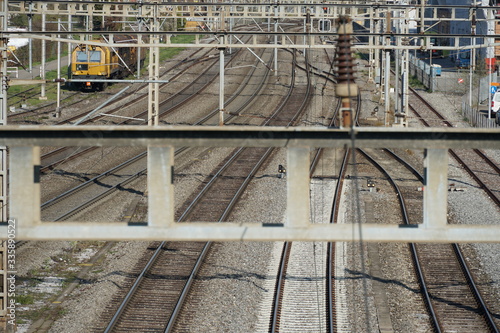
(118,55)
(89,115)
(252,52)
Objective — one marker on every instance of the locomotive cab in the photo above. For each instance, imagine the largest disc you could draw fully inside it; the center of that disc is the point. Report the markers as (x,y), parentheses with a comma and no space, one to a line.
(88,63)
(93,62)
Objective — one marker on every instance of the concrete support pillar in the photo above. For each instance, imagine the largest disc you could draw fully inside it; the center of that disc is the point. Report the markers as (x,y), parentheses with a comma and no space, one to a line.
(160,186)
(436,188)
(24,197)
(298,209)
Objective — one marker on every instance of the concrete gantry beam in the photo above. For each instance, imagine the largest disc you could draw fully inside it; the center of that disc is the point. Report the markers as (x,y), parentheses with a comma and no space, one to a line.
(249,136)
(23,142)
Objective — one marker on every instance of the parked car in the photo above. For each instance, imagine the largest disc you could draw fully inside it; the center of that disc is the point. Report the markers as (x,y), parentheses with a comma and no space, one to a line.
(497,118)
(495,103)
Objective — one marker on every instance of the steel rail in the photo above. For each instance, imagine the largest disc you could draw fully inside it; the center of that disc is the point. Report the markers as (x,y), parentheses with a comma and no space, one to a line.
(53,165)
(469,170)
(467,274)
(92,181)
(406,221)
(133,289)
(101,196)
(486,313)
(280,281)
(100,177)
(185,215)
(144,113)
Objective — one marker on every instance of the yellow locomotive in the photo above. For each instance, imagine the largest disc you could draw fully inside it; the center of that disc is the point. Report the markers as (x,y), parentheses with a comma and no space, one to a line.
(90,62)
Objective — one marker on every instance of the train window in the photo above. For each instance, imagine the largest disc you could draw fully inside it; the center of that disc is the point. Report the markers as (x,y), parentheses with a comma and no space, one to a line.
(95,56)
(81,56)
(91,56)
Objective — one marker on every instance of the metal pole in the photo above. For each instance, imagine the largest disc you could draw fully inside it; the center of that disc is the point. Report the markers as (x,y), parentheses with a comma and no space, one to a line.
(397,64)
(58,106)
(404,100)
(276,41)
(472,55)
(42,67)
(406,74)
(154,73)
(221,83)
(490,55)
(371,42)
(70,48)
(397,69)
(376,51)
(397,74)
(139,42)
(387,76)
(231,22)
(387,81)
(30,44)
(489,92)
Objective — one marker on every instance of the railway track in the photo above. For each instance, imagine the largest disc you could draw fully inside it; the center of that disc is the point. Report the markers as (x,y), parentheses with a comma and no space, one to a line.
(168,106)
(475,162)
(110,181)
(446,284)
(30,116)
(157,272)
(218,196)
(100,181)
(81,98)
(297,295)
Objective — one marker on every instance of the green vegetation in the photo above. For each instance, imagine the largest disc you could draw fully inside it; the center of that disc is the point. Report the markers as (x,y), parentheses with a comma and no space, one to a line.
(25,299)
(415,83)
(170,52)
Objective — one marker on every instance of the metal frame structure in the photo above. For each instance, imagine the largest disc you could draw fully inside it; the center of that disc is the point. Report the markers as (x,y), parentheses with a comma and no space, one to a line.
(24,142)
(381,21)
(238,9)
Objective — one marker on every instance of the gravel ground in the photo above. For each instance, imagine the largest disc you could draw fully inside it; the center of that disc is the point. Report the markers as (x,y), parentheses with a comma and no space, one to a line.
(240,276)
(483,256)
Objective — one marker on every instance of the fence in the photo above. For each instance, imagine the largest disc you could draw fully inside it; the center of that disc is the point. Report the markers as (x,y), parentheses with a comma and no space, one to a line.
(422,71)
(477,118)
(426,74)
(474,116)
